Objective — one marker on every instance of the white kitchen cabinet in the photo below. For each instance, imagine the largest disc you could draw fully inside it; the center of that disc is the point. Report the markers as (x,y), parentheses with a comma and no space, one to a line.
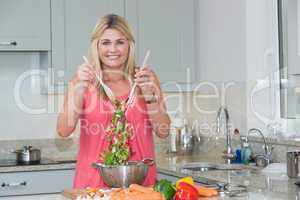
(25,25)
(167,28)
(290,37)
(157,26)
(35,182)
(72,25)
(221,32)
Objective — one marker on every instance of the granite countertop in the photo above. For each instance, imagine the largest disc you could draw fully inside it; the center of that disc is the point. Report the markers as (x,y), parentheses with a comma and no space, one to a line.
(260,185)
(58,165)
(36,197)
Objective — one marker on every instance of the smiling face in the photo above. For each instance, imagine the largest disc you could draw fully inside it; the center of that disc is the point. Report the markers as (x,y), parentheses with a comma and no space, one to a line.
(113,49)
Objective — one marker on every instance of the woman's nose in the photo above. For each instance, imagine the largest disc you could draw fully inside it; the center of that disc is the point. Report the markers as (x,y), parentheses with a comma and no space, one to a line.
(113,47)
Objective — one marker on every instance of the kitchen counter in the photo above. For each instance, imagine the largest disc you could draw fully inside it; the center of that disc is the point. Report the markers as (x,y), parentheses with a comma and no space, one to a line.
(36,197)
(259,185)
(267,186)
(63,164)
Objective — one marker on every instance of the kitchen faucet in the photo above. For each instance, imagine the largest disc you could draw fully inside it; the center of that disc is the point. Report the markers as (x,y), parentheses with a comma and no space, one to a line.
(264,159)
(223,115)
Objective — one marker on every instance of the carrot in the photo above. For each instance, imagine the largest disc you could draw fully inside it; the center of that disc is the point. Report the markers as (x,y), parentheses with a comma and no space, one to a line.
(136,192)
(144,196)
(206,192)
(118,194)
(139,188)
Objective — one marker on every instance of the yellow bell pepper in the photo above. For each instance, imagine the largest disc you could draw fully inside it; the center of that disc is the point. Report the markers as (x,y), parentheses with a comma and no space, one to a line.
(187,179)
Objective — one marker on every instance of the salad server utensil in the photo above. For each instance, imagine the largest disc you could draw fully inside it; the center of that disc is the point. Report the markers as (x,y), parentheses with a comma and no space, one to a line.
(106,89)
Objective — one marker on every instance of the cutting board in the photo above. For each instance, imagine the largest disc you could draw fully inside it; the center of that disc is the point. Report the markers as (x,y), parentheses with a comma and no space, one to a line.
(74,193)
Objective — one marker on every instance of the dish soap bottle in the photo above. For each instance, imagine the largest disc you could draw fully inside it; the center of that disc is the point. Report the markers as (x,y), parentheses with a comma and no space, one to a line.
(246,152)
(238,154)
(238,148)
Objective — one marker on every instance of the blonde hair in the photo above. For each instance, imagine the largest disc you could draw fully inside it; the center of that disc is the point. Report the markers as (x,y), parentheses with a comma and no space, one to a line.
(112,21)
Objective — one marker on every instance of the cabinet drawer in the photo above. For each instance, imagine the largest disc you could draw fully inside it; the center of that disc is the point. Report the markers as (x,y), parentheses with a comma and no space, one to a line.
(12,43)
(37,182)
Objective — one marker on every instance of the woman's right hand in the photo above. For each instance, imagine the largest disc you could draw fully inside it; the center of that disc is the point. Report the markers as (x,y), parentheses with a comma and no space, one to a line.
(85,75)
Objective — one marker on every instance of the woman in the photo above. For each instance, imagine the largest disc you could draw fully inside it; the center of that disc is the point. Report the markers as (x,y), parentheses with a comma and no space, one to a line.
(111,55)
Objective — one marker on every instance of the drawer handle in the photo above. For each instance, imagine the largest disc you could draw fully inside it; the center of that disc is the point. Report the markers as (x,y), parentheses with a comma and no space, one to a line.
(24,183)
(13,43)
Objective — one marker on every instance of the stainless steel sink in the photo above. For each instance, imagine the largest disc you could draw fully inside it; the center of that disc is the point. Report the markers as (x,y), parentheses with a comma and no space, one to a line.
(225,188)
(206,166)
(200,166)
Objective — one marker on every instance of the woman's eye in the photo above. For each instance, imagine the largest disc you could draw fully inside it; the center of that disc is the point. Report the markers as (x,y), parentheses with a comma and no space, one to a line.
(105,43)
(120,42)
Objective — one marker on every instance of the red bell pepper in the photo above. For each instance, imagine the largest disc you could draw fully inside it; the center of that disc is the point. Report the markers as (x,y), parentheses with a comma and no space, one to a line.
(186,191)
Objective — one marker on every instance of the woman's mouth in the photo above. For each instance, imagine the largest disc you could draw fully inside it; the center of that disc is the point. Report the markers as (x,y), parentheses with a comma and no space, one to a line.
(113,57)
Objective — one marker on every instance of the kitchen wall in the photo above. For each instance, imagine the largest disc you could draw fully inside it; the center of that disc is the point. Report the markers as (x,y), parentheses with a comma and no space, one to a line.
(222,63)
(21,103)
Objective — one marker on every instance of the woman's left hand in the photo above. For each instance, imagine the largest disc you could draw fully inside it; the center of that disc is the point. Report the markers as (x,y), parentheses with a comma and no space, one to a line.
(147,80)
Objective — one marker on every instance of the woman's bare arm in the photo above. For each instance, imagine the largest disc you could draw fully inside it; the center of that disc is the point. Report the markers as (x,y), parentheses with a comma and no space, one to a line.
(73,100)
(150,86)
(69,115)
(159,118)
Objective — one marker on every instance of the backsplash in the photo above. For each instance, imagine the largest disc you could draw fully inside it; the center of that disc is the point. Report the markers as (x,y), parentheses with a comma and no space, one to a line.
(212,146)
(57,149)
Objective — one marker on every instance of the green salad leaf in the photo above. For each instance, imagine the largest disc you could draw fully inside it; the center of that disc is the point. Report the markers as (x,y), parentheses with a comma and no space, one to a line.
(118,136)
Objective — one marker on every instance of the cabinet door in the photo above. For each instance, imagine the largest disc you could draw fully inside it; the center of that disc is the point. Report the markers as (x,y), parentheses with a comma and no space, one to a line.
(290,41)
(222,40)
(25,25)
(167,29)
(73,22)
(35,182)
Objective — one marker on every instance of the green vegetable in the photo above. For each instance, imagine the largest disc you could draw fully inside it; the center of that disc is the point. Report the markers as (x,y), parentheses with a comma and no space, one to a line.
(166,188)
(118,135)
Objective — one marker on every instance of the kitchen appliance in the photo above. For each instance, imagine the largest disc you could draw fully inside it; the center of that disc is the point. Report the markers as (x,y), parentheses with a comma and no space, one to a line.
(174,139)
(186,142)
(292,163)
(182,137)
(124,175)
(28,155)
(13,162)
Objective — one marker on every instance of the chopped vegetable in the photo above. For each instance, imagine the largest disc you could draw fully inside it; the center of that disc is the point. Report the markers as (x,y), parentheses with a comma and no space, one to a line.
(166,188)
(93,192)
(118,136)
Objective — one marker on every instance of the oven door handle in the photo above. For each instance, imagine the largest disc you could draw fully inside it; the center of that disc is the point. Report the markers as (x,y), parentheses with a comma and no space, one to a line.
(24,183)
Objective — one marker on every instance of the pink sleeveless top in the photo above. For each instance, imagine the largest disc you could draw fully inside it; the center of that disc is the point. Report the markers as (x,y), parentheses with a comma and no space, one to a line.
(94,120)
